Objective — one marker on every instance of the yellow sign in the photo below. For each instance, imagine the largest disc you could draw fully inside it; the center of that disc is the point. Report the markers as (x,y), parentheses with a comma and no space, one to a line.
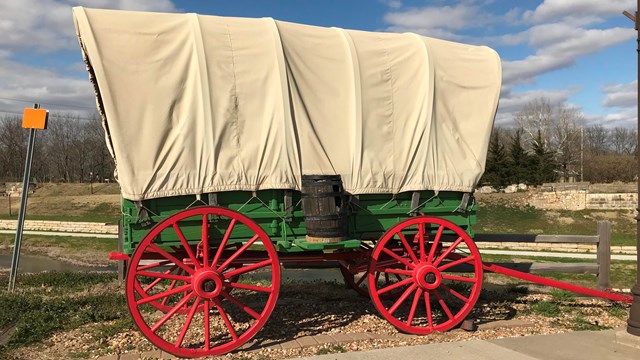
(35,118)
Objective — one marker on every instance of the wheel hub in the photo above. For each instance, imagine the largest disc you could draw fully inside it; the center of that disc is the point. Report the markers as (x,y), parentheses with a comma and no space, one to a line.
(207,284)
(428,277)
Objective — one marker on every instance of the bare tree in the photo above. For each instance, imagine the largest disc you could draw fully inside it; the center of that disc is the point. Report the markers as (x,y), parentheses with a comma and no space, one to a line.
(536,116)
(624,141)
(558,128)
(596,139)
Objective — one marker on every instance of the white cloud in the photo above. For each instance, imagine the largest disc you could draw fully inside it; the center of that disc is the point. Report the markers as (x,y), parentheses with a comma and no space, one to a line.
(47,26)
(29,83)
(577,11)
(439,21)
(626,118)
(558,46)
(393,4)
(621,95)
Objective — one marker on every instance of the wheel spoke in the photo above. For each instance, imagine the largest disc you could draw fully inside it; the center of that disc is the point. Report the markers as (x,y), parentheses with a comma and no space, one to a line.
(187,322)
(237,253)
(171,286)
(427,301)
(246,269)
(395,256)
(165,276)
(151,298)
(223,243)
(414,305)
(412,255)
(443,305)
(156,264)
(455,293)
(434,244)
(463,260)
(207,336)
(447,251)
(397,271)
(458,278)
(172,258)
(186,246)
(226,320)
(240,305)
(402,298)
(395,286)
(156,281)
(423,255)
(251,287)
(173,310)
(205,240)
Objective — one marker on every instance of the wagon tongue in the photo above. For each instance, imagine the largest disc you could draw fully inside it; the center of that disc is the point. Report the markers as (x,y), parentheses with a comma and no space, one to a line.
(555,283)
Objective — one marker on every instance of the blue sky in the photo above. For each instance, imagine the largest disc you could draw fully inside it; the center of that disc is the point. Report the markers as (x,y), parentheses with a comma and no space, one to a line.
(577,53)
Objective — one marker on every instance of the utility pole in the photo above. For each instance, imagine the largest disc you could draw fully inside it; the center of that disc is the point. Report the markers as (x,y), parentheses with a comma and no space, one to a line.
(633,323)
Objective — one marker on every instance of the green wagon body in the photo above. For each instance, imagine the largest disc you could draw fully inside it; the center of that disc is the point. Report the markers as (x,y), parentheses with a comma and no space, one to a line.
(370,216)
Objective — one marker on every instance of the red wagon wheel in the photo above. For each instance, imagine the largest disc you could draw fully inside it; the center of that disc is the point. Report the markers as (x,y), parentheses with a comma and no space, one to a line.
(439,268)
(200,316)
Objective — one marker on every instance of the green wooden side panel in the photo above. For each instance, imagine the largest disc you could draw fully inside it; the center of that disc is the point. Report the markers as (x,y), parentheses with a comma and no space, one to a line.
(369,217)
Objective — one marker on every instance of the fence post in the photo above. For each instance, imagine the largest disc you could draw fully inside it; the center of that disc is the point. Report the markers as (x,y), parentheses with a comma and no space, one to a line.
(604,255)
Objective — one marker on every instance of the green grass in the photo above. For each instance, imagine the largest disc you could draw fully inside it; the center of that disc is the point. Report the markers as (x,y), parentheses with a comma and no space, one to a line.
(504,219)
(49,302)
(332,349)
(580,323)
(618,311)
(545,308)
(562,295)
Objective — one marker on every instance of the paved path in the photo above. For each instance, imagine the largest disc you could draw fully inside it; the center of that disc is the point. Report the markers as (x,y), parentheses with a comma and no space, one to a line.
(581,345)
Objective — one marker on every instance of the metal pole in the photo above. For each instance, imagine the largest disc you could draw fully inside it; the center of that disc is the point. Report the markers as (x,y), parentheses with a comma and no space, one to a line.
(23,207)
(633,323)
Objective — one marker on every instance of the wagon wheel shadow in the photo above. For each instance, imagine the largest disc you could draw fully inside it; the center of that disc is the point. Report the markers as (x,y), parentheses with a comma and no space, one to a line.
(306,308)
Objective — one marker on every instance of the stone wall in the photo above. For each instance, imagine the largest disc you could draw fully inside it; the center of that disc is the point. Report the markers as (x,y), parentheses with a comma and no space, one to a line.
(627,201)
(559,200)
(598,197)
(62,226)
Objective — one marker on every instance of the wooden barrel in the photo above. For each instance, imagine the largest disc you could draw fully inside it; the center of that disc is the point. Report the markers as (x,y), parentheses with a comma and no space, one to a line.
(324,207)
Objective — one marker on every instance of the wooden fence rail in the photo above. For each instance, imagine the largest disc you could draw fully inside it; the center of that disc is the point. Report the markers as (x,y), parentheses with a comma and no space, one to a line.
(602,266)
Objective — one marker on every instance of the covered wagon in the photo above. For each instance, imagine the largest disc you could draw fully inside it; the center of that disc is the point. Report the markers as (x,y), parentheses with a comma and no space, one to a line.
(243,144)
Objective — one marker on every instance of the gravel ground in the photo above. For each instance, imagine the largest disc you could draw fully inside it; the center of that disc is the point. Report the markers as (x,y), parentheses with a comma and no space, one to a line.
(314,308)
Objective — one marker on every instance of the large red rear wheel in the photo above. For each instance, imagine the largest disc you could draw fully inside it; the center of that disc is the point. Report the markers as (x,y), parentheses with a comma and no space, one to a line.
(438,269)
(192,285)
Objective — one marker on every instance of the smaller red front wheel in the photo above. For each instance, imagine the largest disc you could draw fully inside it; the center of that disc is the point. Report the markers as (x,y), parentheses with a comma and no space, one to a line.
(438,269)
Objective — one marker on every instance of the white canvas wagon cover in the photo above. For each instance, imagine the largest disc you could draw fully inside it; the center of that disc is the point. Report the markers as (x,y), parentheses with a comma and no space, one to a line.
(194,104)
